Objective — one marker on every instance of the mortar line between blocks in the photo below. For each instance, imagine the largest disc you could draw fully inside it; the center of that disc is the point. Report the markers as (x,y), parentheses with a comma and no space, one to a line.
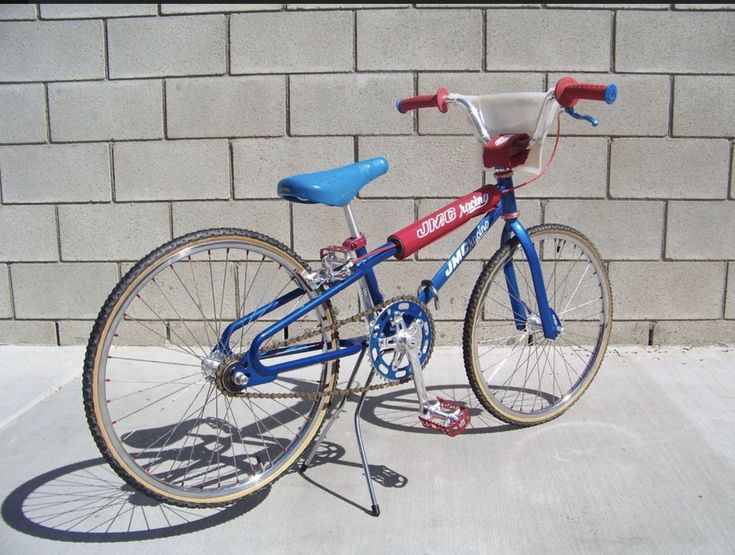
(11,293)
(164,114)
(107,49)
(48,113)
(231,169)
(113,193)
(288,104)
(58,232)
(228,49)
(171,219)
(354,41)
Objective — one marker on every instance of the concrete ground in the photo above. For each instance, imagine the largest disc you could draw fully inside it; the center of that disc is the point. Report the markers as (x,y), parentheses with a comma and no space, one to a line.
(643,463)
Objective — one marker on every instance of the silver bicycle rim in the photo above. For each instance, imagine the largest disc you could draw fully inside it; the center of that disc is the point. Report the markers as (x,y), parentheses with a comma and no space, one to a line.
(525,374)
(181,434)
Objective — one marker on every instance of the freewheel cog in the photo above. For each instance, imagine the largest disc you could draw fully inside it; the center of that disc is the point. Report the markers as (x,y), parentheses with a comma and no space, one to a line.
(406,320)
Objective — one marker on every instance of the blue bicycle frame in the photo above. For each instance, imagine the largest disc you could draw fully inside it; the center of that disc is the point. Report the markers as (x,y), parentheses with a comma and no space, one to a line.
(258,373)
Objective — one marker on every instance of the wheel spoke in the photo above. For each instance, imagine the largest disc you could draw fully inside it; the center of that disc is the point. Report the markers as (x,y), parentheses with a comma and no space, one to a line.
(170,417)
(524,374)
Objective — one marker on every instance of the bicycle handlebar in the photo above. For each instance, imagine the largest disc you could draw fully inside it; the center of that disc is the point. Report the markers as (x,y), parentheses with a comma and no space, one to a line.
(568,92)
(438,100)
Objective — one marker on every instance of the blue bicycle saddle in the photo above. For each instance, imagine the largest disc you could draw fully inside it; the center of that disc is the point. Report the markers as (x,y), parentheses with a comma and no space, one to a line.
(335,187)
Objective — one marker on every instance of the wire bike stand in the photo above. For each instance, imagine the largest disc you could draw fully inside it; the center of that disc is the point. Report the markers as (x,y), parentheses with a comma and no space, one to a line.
(375,509)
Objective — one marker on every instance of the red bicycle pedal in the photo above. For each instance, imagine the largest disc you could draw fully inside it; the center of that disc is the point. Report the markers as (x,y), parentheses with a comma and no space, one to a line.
(447,417)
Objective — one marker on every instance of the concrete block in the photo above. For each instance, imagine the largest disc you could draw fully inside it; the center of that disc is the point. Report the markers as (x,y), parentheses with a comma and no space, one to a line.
(25,332)
(28,232)
(52,51)
(424,166)
(259,164)
(404,277)
(17,11)
(174,170)
(670,42)
(112,231)
(285,42)
(629,333)
(350,104)
(730,304)
(22,114)
(419,40)
(76,332)
(455,121)
(6,304)
(621,230)
(55,173)
(80,11)
(669,168)
(704,106)
(717,332)
(317,226)
(667,290)
(106,111)
(448,332)
(213,8)
(547,43)
(226,107)
(167,46)
(61,290)
(268,217)
(642,107)
(700,230)
(579,170)
(441,250)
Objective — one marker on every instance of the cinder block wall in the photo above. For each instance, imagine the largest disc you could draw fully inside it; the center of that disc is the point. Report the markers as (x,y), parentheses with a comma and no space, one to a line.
(122,126)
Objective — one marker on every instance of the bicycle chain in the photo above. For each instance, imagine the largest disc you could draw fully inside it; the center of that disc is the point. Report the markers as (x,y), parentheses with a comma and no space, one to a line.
(316,395)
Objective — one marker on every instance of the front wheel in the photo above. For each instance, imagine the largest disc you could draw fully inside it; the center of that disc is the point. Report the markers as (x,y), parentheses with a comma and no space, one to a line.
(517,374)
(155,381)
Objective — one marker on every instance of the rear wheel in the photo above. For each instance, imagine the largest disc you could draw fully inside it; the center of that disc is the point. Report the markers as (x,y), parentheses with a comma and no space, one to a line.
(516,373)
(155,392)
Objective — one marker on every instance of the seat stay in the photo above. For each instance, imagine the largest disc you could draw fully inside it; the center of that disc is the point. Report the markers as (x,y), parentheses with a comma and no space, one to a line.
(258,373)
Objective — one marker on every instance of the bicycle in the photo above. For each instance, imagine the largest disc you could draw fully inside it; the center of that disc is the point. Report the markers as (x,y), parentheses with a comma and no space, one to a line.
(213,363)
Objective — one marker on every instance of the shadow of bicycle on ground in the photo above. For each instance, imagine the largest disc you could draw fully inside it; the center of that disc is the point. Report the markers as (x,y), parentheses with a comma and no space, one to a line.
(87,502)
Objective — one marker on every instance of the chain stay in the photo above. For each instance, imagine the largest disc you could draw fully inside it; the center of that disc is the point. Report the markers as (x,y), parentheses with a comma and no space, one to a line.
(316,395)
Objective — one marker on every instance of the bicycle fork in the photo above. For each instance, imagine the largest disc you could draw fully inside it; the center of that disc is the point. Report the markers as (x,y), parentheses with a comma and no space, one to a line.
(546,319)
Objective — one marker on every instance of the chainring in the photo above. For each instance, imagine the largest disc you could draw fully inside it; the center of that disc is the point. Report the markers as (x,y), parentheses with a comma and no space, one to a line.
(414,316)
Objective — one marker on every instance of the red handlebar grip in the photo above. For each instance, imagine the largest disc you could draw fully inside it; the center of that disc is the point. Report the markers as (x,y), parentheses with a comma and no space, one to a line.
(568,92)
(437,100)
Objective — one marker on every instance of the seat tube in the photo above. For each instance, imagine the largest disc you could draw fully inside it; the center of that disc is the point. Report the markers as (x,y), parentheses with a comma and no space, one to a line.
(369,291)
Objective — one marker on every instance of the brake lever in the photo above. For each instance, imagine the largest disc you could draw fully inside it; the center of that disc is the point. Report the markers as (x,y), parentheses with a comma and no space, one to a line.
(577,115)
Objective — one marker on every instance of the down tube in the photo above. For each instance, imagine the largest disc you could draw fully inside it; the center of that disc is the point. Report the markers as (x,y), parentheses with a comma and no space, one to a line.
(460,253)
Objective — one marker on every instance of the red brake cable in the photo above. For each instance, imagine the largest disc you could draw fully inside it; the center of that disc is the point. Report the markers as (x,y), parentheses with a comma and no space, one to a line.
(548,164)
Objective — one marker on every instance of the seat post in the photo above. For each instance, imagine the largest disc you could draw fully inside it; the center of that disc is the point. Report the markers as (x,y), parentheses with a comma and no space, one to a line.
(351,222)
(355,232)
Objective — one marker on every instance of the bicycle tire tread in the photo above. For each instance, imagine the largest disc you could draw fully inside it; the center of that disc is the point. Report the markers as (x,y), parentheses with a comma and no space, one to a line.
(473,305)
(95,336)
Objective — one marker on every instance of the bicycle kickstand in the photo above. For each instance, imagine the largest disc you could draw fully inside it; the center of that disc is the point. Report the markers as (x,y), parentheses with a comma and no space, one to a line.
(333,417)
(375,509)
